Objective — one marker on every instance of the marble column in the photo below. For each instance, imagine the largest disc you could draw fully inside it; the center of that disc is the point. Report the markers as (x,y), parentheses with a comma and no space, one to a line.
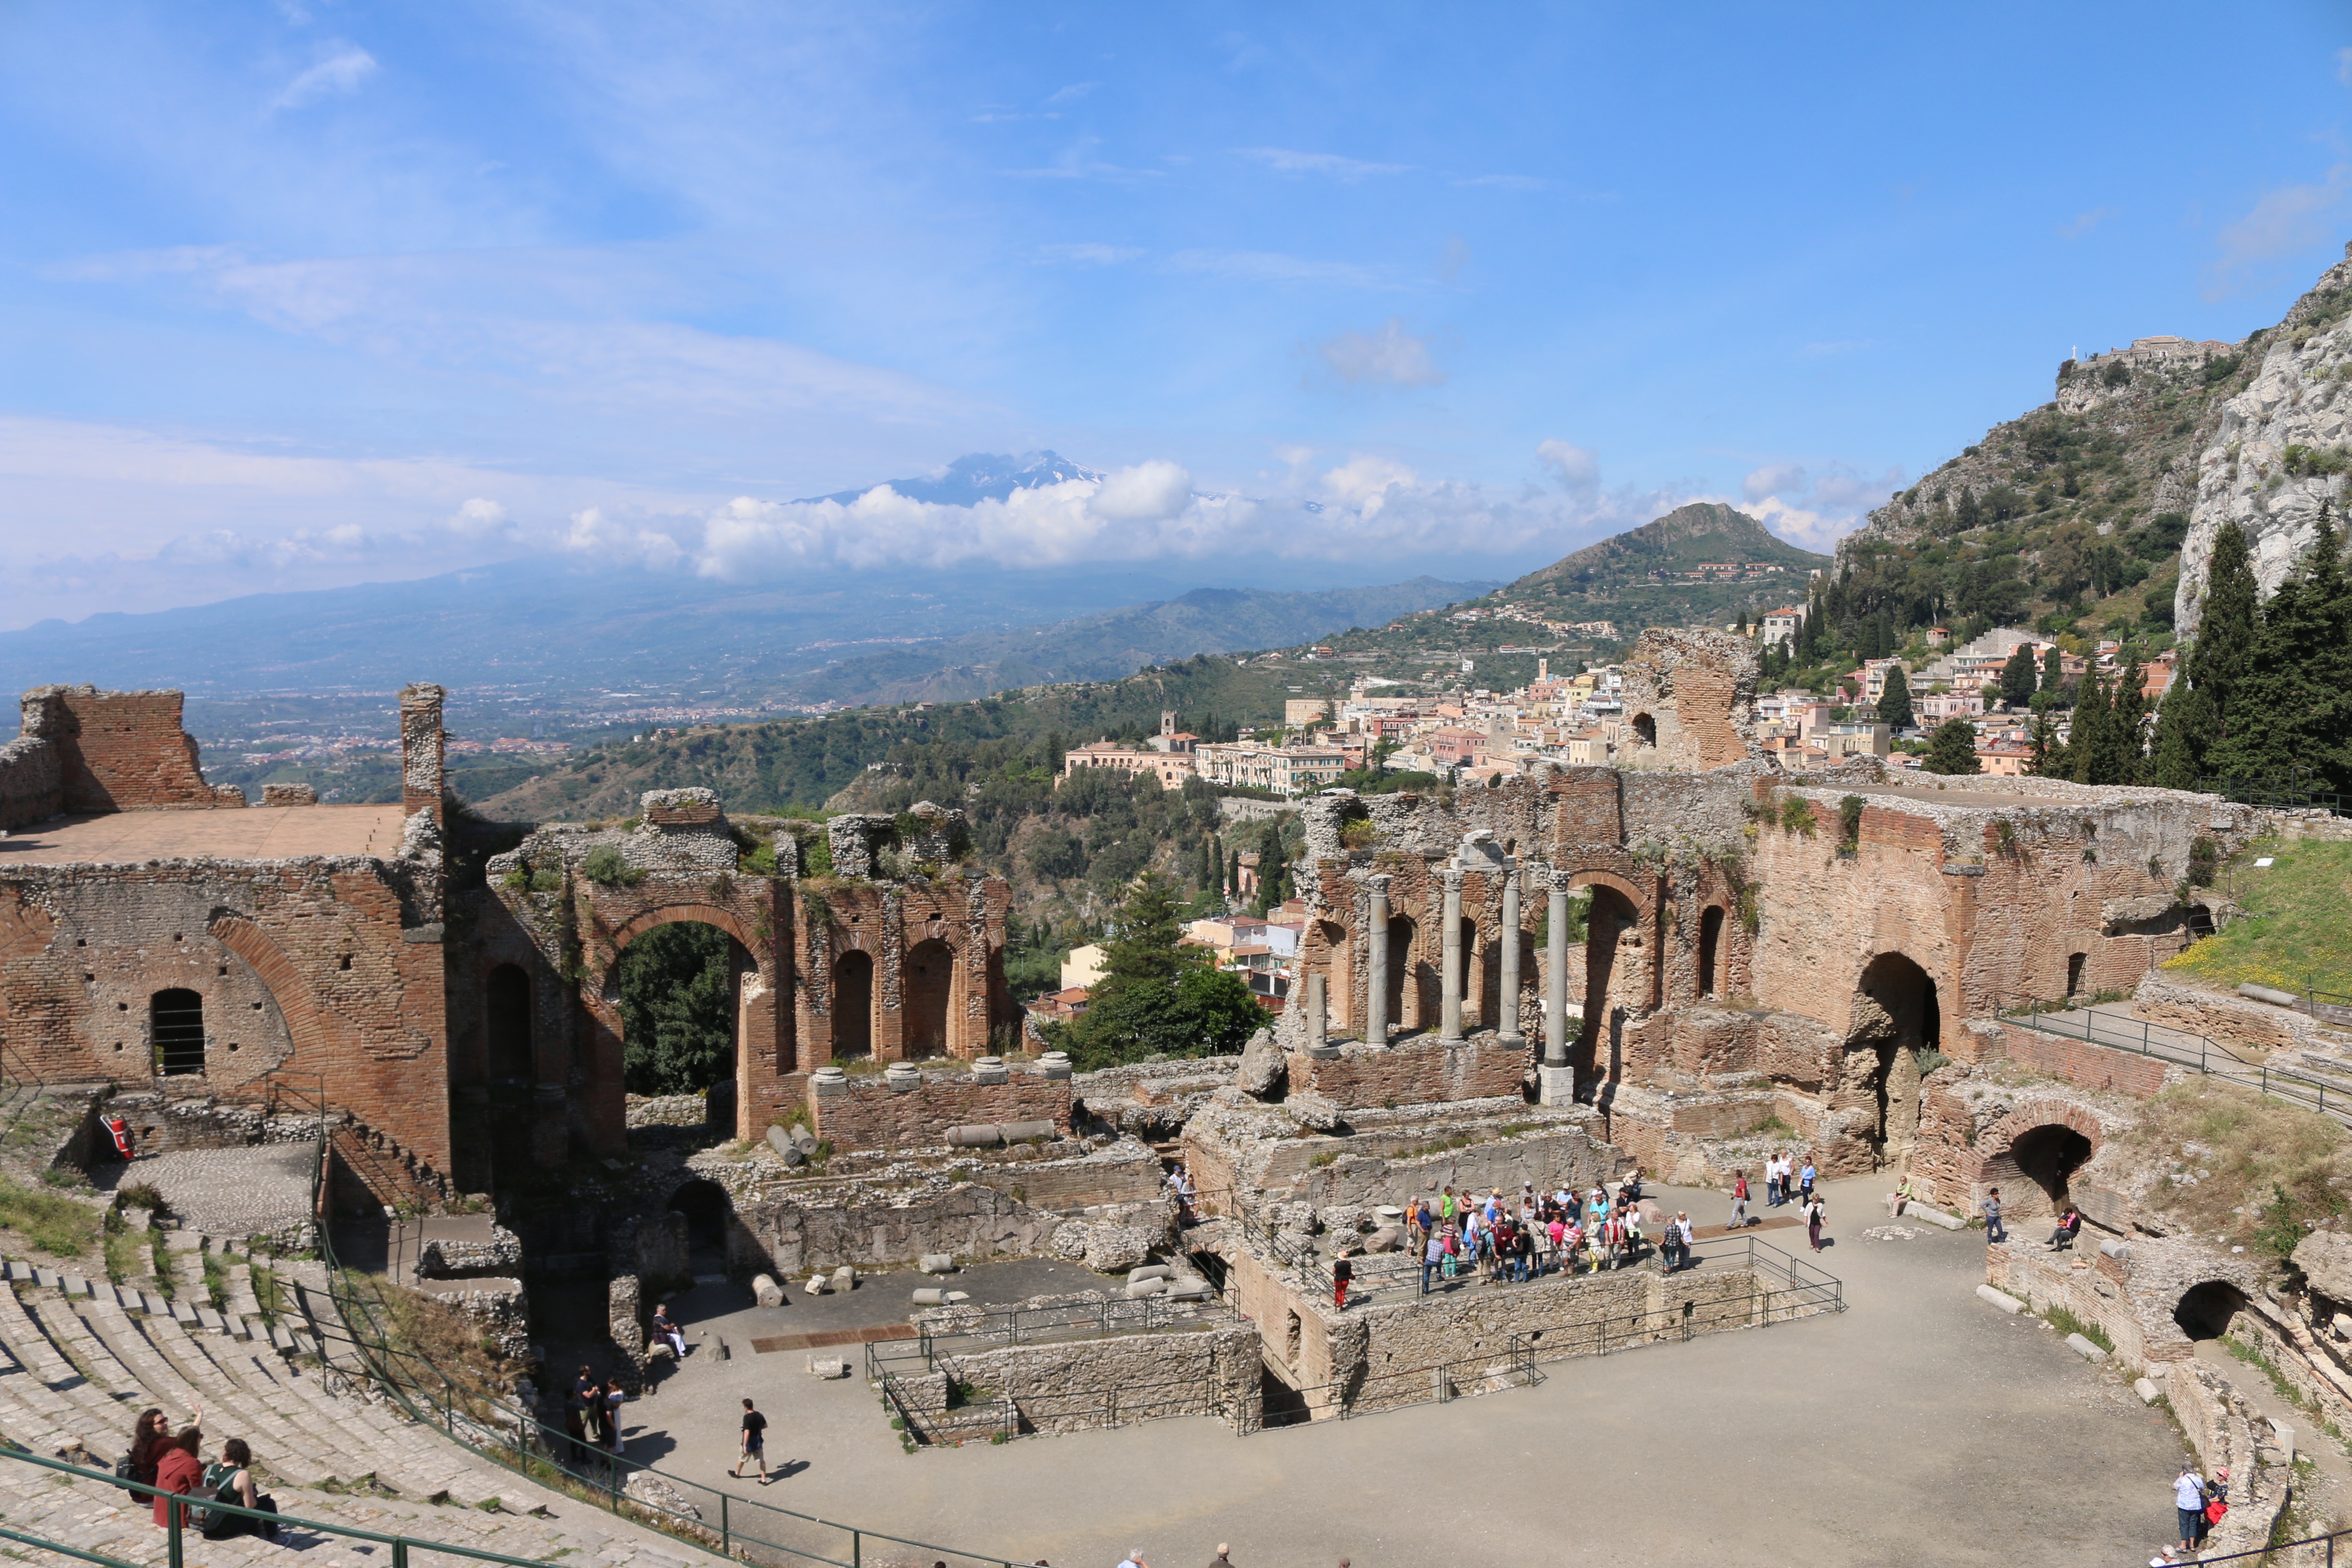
(1449,1007)
(1507,1027)
(1554,1080)
(1313,1011)
(1376,964)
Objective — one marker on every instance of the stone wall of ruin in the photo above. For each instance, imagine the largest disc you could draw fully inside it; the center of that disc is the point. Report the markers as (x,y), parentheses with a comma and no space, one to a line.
(865,1112)
(85,751)
(1414,1072)
(780,1236)
(887,921)
(308,965)
(1697,688)
(1084,1386)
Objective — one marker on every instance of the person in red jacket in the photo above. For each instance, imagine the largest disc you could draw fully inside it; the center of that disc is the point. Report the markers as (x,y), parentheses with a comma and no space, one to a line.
(178,1470)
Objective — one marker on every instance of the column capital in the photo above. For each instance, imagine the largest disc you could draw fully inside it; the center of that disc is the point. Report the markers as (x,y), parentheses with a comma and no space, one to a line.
(1453,874)
(1377,885)
(1559,881)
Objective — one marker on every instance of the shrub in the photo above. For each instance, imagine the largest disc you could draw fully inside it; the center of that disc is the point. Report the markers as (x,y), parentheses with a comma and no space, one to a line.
(1797,816)
(604,866)
(1357,833)
(1850,822)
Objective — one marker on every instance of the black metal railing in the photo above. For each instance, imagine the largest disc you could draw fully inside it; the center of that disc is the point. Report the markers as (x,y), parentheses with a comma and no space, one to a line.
(2182,1049)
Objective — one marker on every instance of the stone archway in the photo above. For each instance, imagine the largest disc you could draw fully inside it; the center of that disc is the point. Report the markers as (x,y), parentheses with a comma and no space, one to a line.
(929,990)
(2207,1308)
(761,1053)
(853,1004)
(710,1218)
(1892,1018)
(1402,987)
(1615,978)
(2040,1144)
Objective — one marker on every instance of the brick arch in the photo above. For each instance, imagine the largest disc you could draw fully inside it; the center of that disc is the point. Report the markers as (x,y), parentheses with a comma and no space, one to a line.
(1994,1160)
(307,1023)
(1997,1137)
(1611,880)
(716,915)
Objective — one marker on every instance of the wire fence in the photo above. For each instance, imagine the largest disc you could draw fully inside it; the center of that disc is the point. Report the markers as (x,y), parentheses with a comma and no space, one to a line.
(2294,1086)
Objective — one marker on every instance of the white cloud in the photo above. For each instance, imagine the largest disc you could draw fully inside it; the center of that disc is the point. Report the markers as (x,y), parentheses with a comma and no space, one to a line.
(2289,218)
(2083,223)
(1285,161)
(1078,162)
(1072,93)
(341,73)
(476,519)
(1272,267)
(1577,468)
(1506,182)
(1773,479)
(618,543)
(1391,356)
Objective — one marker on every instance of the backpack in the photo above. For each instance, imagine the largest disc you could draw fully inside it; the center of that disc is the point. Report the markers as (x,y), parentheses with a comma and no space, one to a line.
(217,1486)
(124,1470)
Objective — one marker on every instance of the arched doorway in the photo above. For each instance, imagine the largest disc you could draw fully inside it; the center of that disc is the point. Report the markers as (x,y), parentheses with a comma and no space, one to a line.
(1710,947)
(1400,938)
(1336,989)
(1610,923)
(1645,730)
(2048,1156)
(675,988)
(853,1005)
(176,1028)
(2205,1311)
(1892,1019)
(506,1026)
(930,982)
(709,1213)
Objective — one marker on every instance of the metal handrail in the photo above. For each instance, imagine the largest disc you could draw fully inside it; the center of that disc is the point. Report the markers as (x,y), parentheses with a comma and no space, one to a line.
(527,1440)
(2282,1084)
(176,1526)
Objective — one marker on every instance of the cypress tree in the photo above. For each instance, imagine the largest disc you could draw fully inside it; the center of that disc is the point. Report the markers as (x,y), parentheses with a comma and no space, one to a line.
(2127,726)
(2053,668)
(1952,749)
(2224,648)
(2184,732)
(2017,677)
(2287,709)
(2049,759)
(1895,700)
(2088,754)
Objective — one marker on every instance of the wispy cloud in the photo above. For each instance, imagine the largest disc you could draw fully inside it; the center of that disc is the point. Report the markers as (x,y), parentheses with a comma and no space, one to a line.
(2344,67)
(1072,93)
(1388,357)
(341,73)
(1078,162)
(2289,218)
(1503,181)
(2083,223)
(1272,267)
(1815,509)
(1285,161)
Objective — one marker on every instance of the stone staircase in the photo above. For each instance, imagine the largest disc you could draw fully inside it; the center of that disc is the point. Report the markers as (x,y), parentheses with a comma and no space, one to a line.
(79,1359)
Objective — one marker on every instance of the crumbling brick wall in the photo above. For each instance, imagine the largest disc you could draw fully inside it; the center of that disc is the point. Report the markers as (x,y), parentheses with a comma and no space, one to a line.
(105,751)
(1084,1386)
(1696,688)
(867,1113)
(1414,1072)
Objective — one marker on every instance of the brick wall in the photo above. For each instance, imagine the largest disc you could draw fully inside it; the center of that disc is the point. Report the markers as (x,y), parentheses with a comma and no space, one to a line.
(2077,1062)
(867,1113)
(123,751)
(1414,1072)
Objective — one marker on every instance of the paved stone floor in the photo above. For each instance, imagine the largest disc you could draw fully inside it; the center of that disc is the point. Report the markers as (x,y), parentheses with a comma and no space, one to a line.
(254,833)
(1921,1426)
(225,1192)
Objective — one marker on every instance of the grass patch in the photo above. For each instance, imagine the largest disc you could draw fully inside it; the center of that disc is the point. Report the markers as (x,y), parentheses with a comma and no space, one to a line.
(2298,939)
(58,1227)
(265,1291)
(215,1280)
(2252,1171)
(158,1258)
(123,1261)
(2066,1323)
(440,1341)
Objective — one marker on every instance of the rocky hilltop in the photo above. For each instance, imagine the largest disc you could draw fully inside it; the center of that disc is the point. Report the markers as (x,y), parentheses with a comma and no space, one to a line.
(1685,539)
(2096,511)
(2278,449)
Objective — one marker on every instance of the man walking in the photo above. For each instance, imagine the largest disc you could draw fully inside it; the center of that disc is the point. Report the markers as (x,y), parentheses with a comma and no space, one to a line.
(1991,1206)
(755,1442)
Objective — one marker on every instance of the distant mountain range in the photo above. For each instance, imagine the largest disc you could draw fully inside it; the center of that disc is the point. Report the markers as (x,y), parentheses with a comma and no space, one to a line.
(564,637)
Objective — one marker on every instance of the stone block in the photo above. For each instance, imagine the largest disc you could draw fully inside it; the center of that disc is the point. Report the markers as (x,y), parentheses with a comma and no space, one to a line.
(930,1296)
(1151,1272)
(1934,1216)
(1555,1086)
(828,1367)
(817,1286)
(2119,1251)
(1115,1249)
(2085,1348)
(936,1263)
(766,1291)
(1262,1070)
(2001,1299)
(1388,1238)
(1137,1290)
(844,1277)
(2149,1392)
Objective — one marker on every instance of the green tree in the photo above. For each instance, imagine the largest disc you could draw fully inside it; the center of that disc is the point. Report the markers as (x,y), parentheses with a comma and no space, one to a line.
(1273,869)
(2053,669)
(678,1009)
(1156,998)
(2184,734)
(1952,749)
(2287,709)
(2049,759)
(2017,677)
(2219,660)
(1895,700)
(2090,750)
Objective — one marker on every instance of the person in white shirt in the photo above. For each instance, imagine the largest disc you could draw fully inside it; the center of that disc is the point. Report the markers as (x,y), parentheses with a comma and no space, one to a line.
(2189,1500)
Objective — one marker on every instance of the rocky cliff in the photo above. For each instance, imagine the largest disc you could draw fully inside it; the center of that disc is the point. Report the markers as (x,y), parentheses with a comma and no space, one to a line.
(2280,446)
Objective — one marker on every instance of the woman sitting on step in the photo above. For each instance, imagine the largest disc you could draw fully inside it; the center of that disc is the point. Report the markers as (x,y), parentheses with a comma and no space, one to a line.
(177,1470)
(234,1478)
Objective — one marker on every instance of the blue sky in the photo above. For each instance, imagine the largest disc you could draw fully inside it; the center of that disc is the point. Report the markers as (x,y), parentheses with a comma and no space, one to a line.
(303,294)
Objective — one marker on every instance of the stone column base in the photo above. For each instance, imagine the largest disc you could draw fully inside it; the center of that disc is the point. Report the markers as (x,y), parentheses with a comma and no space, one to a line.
(1555,1086)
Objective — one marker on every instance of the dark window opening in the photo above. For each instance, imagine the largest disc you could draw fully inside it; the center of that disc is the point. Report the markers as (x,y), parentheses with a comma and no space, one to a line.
(2049,1156)
(853,1005)
(1645,730)
(2074,972)
(1711,941)
(175,1023)
(2205,1311)
(506,1017)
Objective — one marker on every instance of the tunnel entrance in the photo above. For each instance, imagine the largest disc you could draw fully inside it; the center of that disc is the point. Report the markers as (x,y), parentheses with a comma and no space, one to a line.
(2205,1311)
(708,1210)
(2048,1156)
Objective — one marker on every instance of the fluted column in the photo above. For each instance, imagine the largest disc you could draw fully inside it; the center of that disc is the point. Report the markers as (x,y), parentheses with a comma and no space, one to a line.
(1376,964)
(1449,1007)
(1509,1026)
(1556,974)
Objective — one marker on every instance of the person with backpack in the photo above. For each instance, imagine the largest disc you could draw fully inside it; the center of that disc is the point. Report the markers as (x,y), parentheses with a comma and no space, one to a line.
(231,1481)
(150,1435)
(177,1471)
